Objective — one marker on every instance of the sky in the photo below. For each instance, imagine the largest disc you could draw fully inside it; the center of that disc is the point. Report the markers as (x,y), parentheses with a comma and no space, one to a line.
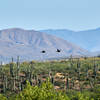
(50,14)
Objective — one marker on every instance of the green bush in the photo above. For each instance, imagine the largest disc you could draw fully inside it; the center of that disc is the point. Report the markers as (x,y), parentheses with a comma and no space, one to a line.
(2,97)
(44,92)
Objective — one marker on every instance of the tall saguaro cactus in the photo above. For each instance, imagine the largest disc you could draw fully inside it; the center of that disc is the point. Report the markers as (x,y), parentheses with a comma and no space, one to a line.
(11,68)
(87,74)
(95,71)
(14,85)
(4,84)
(1,67)
(52,80)
(78,69)
(18,65)
(67,83)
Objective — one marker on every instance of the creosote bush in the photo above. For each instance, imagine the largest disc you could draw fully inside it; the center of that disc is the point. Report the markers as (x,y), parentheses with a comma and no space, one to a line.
(44,92)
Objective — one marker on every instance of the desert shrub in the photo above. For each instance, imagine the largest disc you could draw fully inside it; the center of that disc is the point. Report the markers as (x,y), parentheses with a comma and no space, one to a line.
(44,92)
(2,97)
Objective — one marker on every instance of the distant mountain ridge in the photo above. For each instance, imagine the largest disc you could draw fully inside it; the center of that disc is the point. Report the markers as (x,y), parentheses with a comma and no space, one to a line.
(28,44)
(89,39)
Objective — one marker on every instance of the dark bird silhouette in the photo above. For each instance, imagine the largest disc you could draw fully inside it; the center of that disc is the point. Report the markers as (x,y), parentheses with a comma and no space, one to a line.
(43,51)
(58,50)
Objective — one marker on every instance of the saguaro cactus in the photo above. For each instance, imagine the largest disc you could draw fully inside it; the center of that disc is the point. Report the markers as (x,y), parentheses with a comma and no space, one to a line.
(87,73)
(73,82)
(18,66)
(52,80)
(14,85)
(6,82)
(71,61)
(67,83)
(4,85)
(50,74)
(1,65)
(78,69)
(39,82)
(95,71)
(11,68)
(36,79)
(20,86)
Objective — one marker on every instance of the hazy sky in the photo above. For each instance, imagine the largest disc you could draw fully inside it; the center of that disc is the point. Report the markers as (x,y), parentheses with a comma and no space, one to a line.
(50,14)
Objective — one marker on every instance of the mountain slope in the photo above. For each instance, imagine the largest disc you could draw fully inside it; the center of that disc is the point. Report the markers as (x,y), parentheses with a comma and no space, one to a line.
(28,44)
(87,39)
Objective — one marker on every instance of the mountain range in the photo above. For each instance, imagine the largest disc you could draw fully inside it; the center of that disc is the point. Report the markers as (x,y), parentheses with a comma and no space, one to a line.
(28,44)
(89,39)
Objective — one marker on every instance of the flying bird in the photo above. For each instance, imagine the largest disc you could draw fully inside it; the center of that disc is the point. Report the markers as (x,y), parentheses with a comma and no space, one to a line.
(43,51)
(58,50)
